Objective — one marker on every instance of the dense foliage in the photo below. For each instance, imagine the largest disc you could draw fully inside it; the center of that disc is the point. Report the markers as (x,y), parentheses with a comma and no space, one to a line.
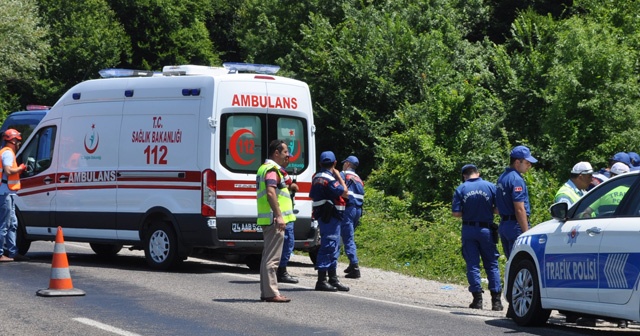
(415,88)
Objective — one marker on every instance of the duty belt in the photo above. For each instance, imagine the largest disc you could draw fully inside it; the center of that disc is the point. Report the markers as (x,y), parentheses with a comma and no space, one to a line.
(508,217)
(478,224)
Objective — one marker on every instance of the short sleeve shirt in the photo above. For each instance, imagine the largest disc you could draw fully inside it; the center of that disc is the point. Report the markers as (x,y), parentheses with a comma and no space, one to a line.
(7,160)
(475,199)
(511,188)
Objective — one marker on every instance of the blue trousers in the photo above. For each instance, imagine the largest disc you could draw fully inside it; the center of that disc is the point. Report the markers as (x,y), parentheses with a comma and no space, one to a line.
(509,232)
(476,244)
(8,226)
(349,218)
(329,244)
(287,246)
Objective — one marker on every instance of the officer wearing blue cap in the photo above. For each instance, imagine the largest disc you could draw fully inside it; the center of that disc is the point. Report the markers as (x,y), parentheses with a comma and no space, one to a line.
(474,202)
(635,161)
(512,199)
(328,192)
(617,157)
(352,213)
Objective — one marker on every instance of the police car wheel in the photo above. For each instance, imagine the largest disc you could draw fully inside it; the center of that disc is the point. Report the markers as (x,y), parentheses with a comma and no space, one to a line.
(524,295)
(161,246)
(106,250)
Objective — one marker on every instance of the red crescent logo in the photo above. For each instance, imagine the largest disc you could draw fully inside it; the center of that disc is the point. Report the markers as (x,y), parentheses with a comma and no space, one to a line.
(297,155)
(233,147)
(91,150)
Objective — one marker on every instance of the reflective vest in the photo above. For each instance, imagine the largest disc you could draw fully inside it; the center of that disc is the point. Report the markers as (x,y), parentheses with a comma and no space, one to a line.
(13,180)
(265,214)
(568,192)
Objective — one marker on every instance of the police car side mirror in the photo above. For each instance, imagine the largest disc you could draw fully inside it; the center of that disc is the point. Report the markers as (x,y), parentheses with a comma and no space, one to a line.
(559,211)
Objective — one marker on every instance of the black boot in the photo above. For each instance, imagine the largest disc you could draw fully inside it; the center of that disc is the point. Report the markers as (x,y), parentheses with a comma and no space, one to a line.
(353,271)
(333,281)
(284,277)
(496,303)
(322,284)
(477,301)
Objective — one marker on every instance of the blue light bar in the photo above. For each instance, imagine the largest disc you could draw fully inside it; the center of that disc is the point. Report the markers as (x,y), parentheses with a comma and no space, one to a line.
(116,73)
(249,67)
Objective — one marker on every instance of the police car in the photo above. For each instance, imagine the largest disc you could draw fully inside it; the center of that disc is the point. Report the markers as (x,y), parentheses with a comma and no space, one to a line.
(585,262)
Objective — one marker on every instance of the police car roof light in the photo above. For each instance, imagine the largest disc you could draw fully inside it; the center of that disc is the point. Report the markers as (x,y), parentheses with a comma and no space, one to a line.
(34,107)
(267,69)
(117,73)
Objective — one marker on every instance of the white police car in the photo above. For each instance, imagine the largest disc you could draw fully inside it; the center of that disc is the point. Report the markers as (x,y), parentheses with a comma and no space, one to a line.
(584,262)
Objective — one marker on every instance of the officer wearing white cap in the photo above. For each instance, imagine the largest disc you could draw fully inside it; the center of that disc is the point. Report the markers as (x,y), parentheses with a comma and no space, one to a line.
(474,202)
(352,213)
(512,199)
(609,202)
(578,182)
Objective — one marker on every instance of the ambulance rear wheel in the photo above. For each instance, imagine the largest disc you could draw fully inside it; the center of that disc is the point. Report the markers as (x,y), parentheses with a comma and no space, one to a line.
(161,246)
(106,250)
(253,262)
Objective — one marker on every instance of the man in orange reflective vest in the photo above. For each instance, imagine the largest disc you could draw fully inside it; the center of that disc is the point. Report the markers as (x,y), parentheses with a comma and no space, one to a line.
(8,189)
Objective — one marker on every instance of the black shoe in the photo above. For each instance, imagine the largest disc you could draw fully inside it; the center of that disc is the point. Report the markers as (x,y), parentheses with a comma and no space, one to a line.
(284,276)
(354,273)
(336,283)
(324,286)
(349,269)
(477,301)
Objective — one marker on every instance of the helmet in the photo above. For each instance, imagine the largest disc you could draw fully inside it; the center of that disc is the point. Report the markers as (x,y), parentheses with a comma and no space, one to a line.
(11,134)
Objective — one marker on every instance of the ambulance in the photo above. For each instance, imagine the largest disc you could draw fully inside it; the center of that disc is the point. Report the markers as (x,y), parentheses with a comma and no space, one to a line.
(166,162)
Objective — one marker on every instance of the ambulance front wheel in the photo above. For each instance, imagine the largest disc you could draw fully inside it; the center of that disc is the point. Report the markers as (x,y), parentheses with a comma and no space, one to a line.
(22,242)
(161,246)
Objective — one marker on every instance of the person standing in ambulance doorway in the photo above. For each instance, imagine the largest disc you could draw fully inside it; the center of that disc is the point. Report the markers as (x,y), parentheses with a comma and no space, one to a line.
(289,238)
(328,193)
(352,214)
(512,198)
(474,202)
(275,211)
(10,186)
(574,188)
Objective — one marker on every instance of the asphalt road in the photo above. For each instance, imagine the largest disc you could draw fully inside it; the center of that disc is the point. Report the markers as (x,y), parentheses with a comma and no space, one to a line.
(210,297)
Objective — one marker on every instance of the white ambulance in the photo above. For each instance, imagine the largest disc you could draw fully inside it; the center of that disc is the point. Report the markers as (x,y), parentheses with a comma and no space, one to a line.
(165,162)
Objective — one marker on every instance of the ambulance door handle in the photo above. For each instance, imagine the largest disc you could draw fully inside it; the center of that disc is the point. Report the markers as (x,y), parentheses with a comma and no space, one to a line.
(63,178)
(47,180)
(594,231)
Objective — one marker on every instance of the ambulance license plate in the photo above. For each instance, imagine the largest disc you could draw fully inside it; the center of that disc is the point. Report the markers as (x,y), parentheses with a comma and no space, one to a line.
(245,227)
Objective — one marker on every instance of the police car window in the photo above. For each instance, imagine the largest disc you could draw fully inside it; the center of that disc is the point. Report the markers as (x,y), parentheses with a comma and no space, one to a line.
(242,142)
(604,201)
(291,130)
(38,152)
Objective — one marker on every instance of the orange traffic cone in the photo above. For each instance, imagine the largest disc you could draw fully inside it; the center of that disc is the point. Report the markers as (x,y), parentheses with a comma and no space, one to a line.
(60,283)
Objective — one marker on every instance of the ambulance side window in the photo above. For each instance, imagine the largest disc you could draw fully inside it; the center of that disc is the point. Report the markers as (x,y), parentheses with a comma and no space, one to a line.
(292,131)
(242,142)
(39,152)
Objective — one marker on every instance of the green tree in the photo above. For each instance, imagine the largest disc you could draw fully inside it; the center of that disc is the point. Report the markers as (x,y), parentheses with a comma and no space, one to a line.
(22,48)
(85,37)
(166,32)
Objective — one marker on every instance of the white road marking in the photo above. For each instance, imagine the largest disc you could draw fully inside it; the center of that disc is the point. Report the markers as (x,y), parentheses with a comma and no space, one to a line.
(105,327)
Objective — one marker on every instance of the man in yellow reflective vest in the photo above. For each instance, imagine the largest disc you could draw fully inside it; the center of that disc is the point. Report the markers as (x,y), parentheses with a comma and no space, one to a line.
(575,187)
(10,186)
(275,211)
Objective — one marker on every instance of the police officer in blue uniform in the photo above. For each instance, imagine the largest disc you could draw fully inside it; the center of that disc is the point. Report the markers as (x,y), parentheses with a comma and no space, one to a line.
(474,202)
(328,192)
(512,198)
(352,214)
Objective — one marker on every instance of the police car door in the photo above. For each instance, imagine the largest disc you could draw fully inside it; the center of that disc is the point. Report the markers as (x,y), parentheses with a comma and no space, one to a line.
(619,250)
(571,256)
